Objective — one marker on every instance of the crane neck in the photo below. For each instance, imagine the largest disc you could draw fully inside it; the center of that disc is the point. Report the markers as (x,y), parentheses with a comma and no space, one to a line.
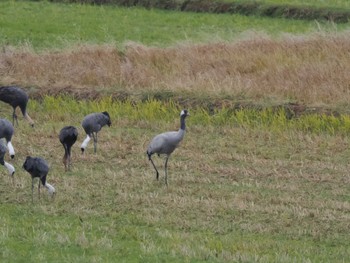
(182,122)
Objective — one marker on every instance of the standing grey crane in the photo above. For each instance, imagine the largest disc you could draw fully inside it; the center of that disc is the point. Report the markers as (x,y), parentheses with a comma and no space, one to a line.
(37,167)
(166,143)
(68,136)
(16,97)
(9,167)
(6,131)
(92,124)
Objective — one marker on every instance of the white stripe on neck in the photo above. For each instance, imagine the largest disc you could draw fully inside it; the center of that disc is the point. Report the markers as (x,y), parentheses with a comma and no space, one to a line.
(10,168)
(85,142)
(29,119)
(11,150)
(50,188)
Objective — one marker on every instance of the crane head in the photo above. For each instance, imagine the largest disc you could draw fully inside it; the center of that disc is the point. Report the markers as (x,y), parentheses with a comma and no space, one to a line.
(184,113)
(109,123)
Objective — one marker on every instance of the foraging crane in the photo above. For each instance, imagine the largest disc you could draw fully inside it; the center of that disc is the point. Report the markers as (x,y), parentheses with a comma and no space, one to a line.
(68,136)
(37,167)
(6,131)
(166,143)
(16,97)
(92,124)
(9,167)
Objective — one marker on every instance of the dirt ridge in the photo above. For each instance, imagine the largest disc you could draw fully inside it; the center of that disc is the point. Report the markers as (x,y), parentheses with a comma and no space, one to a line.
(246,8)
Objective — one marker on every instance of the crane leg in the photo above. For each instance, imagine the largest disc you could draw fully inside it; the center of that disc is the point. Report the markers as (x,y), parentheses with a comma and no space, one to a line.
(69,162)
(65,157)
(166,170)
(32,190)
(13,180)
(39,189)
(65,162)
(94,135)
(14,117)
(69,157)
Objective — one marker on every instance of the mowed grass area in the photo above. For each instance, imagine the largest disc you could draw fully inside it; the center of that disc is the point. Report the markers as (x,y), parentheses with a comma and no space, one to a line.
(238,192)
(45,25)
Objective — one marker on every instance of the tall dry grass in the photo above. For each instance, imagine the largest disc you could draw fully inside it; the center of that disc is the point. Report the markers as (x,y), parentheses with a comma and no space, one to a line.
(311,70)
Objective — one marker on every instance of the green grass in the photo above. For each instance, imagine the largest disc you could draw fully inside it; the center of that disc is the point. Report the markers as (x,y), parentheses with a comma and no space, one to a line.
(277,120)
(340,4)
(256,190)
(47,25)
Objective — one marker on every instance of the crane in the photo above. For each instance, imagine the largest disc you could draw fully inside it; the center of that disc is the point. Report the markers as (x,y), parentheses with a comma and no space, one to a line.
(166,143)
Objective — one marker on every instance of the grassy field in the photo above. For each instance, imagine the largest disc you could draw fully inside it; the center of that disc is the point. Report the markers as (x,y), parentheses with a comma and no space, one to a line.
(246,185)
(43,25)
(240,191)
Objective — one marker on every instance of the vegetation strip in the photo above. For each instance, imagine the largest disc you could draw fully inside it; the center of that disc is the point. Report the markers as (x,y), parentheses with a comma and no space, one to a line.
(276,119)
(245,8)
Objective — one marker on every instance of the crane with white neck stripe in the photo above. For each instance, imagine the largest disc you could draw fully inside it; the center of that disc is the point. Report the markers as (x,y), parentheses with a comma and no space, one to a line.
(92,124)
(16,97)
(37,167)
(68,136)
(9,167)
(6,131)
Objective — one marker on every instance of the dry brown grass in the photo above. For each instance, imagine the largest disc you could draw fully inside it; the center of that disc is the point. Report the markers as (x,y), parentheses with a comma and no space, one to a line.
(311,70)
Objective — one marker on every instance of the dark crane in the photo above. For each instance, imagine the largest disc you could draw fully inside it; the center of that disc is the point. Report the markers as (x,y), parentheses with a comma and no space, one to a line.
(92,124)
(37,167)
(16,97)
(6,131)
(166,143)
(9,167)
(68,136)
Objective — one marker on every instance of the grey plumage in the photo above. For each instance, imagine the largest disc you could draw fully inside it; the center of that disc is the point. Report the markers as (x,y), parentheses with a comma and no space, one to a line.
(9,167)
(37,167)
(166,143)
(6,131)
(16,97)
(92,124)
(68,136)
